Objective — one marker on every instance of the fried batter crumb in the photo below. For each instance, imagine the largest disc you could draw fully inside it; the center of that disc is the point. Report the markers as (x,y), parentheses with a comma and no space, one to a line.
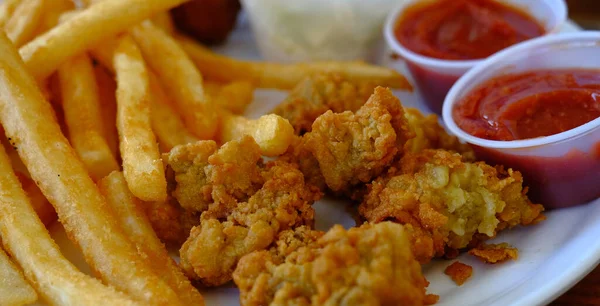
(459,272)
(495,253)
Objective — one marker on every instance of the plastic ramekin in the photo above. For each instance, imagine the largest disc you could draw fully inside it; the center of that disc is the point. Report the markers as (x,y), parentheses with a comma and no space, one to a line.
(434,77)
(561,170)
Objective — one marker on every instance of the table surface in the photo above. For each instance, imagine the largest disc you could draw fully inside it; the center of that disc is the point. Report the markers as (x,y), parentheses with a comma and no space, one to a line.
(586,292)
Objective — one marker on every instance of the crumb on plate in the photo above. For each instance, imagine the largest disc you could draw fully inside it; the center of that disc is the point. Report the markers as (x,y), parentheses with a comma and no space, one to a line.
(459,272)
(495,253)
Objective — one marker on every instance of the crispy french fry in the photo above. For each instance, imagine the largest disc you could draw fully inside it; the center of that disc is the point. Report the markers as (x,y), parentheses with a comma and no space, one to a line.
(40,204)
(24,21)
(29,243)
(284,76)
(272,133)
(132,217)
(233,97)
(14,289)
(107,89)
(82,109)
(166,123)
(53,9)
(105,19)
(7,8)
(142,165)
(164,22)
(181,79)
(53,165)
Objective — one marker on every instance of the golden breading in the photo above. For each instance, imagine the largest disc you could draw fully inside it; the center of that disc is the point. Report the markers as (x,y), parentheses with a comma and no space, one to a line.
(317,94)
(369,265)
(495,253)
(429,134)
(459,272)
(230,229)
(447,203)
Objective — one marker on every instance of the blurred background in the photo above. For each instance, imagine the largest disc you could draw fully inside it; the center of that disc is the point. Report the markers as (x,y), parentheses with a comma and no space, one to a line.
(585,12)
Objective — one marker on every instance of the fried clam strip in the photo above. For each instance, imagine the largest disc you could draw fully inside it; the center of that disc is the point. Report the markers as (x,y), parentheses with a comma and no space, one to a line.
(14,289)
(83,116)
(181,79)
(28,121)
(368,265)
(105,19)
(284,76)
(24,21)
(448,204)
(142,165)
(136,226)
(30,244)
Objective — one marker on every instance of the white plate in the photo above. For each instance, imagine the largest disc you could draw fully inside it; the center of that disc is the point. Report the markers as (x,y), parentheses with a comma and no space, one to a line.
(553,255)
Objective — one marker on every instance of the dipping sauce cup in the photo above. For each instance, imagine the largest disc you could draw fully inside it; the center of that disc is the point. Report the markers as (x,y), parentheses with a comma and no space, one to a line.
(434,76)
(563,169)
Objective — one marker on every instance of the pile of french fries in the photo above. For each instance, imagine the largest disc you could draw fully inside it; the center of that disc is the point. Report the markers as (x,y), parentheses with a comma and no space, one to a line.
(91,94)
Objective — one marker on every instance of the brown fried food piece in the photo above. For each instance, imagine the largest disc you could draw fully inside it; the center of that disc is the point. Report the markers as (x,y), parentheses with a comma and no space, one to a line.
(353,148)
(317,94)
(170,221)
(459,272)
(429,134)
(231,229)
(495,253)
(369,265)
(447,203)
(208,21)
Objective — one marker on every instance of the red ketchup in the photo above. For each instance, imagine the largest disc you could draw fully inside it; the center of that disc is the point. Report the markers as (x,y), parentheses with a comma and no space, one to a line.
(537,104)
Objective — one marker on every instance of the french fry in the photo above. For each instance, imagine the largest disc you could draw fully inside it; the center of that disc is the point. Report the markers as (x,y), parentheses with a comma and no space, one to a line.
(166,123)
(136,226)
(30,245)
(142,165)
(40,204)
(105,19)
(14,289)
(284,76)
(163,21)
(181,79)
(53,9)
(24,21)
(54,166)
(272,133)
(82,109)
(7,8)
(233,97)
(107,89)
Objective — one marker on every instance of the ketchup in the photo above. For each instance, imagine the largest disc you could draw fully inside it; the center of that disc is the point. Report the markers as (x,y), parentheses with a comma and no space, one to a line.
(537,104)
(464,29)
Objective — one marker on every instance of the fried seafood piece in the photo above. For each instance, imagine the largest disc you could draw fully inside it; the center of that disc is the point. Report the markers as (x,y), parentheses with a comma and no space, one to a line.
(368,265)
(429,134)
(447,204)
(353,148)
(229,230)
(203,173)
(317,94)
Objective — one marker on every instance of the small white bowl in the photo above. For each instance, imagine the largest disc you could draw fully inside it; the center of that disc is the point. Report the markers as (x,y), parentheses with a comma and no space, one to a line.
(434,77)
(562,169)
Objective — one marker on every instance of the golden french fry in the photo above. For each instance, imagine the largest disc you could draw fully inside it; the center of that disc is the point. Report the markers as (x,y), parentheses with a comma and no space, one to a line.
(284,76)
(54,166)
(7,8)
(82,109)
(166,123)
(40,204)
(234,96)
(53,9)
(163,21)
(181,79)
(272,133)
(14,289)
(24,21)
(142,165)
(30,245)
(107,89)
(105,19)
(136,226)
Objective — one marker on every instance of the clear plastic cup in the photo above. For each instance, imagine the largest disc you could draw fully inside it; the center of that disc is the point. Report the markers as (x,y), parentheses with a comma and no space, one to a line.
(434,77)
(561,170)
